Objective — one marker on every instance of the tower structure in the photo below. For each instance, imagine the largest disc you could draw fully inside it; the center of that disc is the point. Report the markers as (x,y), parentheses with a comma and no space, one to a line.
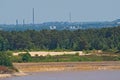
(33,16)
(23,22)
(70,17)
(16,21)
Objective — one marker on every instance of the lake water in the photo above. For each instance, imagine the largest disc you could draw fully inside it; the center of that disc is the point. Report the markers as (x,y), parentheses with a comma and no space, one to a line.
(71,75)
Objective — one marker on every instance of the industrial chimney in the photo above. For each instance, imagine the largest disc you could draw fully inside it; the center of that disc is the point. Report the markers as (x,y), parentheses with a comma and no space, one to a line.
(33,15)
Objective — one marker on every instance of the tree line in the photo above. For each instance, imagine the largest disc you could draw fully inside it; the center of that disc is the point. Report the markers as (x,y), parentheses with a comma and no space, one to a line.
(89,39)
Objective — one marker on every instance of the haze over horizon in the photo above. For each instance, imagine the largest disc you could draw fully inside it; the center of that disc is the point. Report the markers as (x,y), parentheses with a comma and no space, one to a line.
(58,10)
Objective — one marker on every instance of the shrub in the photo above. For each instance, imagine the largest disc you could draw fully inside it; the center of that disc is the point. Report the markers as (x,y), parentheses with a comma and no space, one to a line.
(26,57)
(5,59)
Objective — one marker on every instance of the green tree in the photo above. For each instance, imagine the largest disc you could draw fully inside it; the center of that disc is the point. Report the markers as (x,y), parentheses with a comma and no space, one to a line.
(26,57)
(5,59)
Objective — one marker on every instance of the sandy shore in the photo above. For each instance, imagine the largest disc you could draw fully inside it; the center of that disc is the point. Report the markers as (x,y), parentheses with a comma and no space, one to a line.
(12,74)
(67,66)
(44,53)
(5,75)
(62,66)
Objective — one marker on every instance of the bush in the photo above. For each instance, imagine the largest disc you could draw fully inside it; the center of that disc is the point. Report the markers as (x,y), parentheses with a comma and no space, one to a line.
(26,57)
(5,59)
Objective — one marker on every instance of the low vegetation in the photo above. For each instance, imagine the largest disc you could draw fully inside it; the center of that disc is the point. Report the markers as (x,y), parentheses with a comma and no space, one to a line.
(5,59)
(66,58)
(6,65)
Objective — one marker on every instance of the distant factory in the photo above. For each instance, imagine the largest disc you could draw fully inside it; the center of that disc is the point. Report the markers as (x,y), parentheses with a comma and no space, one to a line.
(69,25)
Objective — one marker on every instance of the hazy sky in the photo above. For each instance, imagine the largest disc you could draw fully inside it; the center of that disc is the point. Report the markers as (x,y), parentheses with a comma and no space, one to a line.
(58,10)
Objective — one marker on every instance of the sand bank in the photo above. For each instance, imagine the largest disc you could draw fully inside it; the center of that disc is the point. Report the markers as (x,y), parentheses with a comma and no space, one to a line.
(44,53)
(67,66)
(12,74)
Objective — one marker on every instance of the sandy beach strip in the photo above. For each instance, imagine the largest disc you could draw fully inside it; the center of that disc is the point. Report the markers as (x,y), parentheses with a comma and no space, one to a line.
(67,66)
(44,53)
(12,74)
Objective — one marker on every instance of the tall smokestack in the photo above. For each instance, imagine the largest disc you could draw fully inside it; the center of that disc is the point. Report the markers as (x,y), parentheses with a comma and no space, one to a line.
(33,15)
(70,16)
(23,22)
(16,21)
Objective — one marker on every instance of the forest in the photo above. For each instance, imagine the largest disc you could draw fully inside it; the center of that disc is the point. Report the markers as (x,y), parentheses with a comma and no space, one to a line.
(106,39)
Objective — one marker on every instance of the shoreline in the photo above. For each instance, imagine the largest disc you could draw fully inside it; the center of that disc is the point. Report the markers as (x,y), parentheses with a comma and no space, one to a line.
(12,74)
(26,68)
(67,66)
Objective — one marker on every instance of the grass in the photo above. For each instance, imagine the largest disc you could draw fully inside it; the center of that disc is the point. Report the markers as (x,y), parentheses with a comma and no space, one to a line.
(68,58)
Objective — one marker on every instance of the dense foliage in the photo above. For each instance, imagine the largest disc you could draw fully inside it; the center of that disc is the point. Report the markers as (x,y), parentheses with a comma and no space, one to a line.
(99,39)
(25,57)
(5,59)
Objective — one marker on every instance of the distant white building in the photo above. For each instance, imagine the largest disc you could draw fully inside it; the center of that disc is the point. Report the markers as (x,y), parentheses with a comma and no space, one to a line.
(52,27)
(118,22)
(74,27)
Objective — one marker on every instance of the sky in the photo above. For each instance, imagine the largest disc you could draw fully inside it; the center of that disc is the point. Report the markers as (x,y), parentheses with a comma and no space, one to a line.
(58,10)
